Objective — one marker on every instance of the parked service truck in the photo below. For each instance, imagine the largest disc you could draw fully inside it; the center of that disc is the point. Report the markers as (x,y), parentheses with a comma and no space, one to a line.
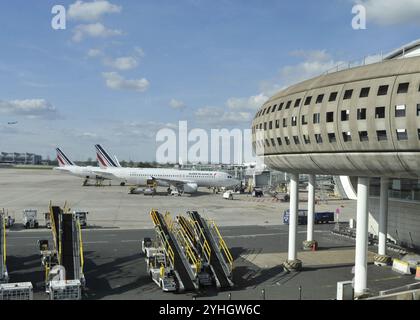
(30,220)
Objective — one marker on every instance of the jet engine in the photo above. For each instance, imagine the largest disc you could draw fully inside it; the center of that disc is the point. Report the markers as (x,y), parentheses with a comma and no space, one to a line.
(190,188)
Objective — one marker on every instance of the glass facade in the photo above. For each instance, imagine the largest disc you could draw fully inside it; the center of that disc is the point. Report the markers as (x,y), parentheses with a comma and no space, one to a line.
(400,189)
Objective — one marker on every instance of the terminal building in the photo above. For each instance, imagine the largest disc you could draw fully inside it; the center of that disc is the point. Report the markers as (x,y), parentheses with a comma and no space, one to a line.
(20,158)
(362,125)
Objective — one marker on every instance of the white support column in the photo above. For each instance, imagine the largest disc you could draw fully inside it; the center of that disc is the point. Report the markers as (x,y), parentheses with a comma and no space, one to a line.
(381,259)
(311,207)
(383,216)
(293,263)
(294,203)
(310,243)
(360,277)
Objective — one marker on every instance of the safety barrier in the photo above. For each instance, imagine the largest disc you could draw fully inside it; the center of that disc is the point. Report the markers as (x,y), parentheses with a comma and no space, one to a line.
(16,291)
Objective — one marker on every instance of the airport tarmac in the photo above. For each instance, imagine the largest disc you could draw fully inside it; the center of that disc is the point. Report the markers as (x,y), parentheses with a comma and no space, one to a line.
(115,269)
(114,207)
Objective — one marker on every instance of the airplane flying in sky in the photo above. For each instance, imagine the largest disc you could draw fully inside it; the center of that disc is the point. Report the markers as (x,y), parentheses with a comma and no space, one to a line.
(87,173)
(184,181)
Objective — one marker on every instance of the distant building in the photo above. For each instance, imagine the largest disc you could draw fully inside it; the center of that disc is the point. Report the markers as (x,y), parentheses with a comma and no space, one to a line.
(20,158)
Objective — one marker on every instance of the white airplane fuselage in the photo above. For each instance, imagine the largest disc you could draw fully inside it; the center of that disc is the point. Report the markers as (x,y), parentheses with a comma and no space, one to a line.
(81,172)
(169,177)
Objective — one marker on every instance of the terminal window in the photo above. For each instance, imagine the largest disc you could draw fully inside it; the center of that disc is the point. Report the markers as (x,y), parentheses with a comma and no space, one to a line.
(348,94)
(380,113)
(265,125)
(402,134)
(277,124)
(281,106)
(400,111)
(347,136)
(267,143)
(361,114)
(330,116)
(306,139)
(279,142)
(284,123)
(331,138)
(287,141)
(271,125)
(273,143)
(364,93)
(320,98)
(383,90)
(289,103)
(297,103)
(318,138)
(294,121)
(418,133)
(381,135)
(268,110)
(274,108)
(333,96)
(296,139)
(418,110)
(304,120)
(363,136)
(317,118)
(308,101)
(403,87)
(345,115)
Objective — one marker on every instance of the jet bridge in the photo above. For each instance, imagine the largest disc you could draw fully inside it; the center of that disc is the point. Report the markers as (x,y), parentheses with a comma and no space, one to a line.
(181,256)
(214,249)
(64,262)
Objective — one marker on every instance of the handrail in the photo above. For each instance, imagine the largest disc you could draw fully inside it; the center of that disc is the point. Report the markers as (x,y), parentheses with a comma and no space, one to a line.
(204,244)
(82,259)
(4,240)
(188,250)
(223,246)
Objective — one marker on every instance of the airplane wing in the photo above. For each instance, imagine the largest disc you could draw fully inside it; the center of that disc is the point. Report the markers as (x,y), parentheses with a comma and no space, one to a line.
(174,182)
(105,175)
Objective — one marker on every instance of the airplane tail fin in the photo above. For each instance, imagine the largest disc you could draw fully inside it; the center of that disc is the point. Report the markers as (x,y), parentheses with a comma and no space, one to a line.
(63,160)
(117,162)
(104,159)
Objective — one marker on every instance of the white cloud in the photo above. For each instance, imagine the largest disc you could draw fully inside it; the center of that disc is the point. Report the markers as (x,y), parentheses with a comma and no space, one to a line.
(121,63)
(93,53)
(215,116)
(251,104)
(139,52)
(391,12)
(94,30)
(91,11)
(116,82)
(32,108)
(177,104)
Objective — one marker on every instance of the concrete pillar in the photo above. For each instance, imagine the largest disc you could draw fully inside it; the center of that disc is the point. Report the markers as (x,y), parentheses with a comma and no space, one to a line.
(360,277)
(292,263)
(310,243)
(381,259)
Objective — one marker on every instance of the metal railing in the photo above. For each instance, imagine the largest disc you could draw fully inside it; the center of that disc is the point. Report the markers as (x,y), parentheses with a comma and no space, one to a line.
(223,247)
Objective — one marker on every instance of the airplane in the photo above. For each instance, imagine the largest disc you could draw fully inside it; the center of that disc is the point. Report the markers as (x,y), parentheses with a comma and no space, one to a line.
(89,172)
(184,181)
(12,123)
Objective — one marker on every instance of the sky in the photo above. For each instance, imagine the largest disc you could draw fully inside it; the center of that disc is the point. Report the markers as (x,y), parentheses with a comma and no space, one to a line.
(121,70)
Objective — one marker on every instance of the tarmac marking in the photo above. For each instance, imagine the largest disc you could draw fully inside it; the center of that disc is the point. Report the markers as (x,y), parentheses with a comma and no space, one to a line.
(96,242)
